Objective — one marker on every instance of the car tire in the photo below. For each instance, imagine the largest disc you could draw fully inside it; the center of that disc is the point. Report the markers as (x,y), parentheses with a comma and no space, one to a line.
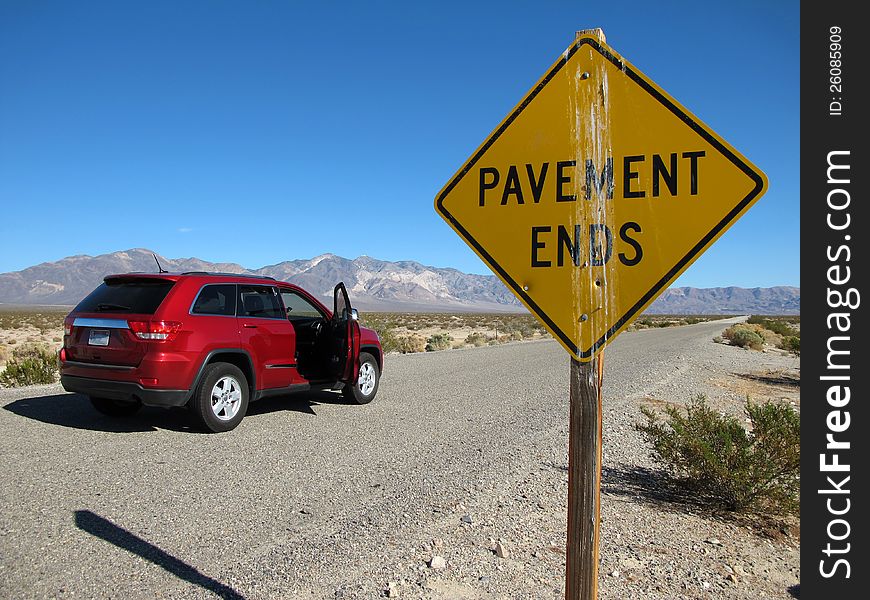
(220,400)
(366,386)
(115,408)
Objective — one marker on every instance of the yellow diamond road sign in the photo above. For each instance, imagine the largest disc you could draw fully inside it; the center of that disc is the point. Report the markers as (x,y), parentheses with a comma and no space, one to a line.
(594,194)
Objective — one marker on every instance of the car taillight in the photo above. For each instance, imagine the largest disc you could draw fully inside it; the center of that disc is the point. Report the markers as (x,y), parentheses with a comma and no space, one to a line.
(68,325)
(157,331)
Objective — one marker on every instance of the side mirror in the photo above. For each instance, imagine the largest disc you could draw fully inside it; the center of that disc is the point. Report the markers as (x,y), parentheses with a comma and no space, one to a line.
(354,314)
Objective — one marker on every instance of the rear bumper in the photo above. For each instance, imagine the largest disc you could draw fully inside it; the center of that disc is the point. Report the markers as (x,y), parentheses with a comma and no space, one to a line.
(123,390)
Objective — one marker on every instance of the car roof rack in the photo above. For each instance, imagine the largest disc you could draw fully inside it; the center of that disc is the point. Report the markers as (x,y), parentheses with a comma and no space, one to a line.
(221,274)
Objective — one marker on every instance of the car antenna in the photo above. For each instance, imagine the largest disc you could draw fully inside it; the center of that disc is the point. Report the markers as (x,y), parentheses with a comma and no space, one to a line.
(159,268)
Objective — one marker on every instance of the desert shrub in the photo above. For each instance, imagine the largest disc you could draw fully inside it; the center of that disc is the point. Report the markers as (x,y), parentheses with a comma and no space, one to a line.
(726,465)
(792,343)
(4,353)
(747,339)
(407,344)
(439,341)
(775,325)
(774,331)
(388,340)
(476,339)
(769,337)
(29,365)
(528,330)
(516,333)
(744,337)
(729,333)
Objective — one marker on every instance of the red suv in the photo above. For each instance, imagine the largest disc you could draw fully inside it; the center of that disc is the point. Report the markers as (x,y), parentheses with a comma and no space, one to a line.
(213,342)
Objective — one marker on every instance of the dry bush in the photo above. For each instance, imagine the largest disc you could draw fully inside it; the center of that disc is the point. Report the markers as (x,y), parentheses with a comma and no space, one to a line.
(781,325)
(770,337)
(407,344)
(792,343)
(439,341)
(745,336)
(476,339)
(780,332)
(30,365)
(715,457)
(786,332)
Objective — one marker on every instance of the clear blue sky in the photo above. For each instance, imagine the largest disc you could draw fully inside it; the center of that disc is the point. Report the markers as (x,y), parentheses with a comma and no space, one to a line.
(256,132)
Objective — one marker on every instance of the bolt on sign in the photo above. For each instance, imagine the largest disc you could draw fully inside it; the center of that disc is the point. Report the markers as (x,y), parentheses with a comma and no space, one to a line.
(594,194)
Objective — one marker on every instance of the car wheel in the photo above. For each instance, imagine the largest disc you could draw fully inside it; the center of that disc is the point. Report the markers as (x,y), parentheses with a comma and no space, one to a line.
(221,398)
(116,408)
(366,385)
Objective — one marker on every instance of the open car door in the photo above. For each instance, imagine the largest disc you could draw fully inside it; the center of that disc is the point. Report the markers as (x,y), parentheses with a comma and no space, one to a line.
(345,337)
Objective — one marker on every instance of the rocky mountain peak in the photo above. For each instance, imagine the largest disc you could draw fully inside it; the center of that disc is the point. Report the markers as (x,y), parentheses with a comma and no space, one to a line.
(374,284)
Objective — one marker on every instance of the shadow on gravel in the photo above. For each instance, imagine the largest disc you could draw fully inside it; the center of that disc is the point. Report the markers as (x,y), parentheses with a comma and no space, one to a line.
(795,591)
(75,410)
(652,486)
(639,483)
(666,492)
(104,529)
(303,402)
(774,378)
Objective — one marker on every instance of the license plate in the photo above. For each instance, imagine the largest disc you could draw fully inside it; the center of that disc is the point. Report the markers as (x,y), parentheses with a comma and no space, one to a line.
(98,337)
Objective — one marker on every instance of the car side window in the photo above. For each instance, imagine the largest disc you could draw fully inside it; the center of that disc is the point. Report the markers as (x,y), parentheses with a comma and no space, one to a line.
(260,301)
(215,300)
(298,307)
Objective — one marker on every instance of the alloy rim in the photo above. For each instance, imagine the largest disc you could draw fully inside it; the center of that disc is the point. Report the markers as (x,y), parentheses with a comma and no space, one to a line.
(366,378)
(226,398)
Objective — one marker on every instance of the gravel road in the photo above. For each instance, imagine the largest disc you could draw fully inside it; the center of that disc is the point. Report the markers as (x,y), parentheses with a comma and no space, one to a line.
(460,462)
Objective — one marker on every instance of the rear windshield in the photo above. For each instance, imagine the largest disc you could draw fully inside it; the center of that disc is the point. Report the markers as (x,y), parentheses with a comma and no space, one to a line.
(140,296)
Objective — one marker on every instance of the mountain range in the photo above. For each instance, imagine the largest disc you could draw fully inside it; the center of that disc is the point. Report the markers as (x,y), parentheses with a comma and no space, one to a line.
(373,285)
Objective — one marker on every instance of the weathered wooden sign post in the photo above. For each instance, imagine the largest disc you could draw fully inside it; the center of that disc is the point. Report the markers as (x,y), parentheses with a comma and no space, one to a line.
(591,197)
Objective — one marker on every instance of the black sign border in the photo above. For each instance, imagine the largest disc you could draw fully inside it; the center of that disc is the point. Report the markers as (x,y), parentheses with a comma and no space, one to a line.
(670,275)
